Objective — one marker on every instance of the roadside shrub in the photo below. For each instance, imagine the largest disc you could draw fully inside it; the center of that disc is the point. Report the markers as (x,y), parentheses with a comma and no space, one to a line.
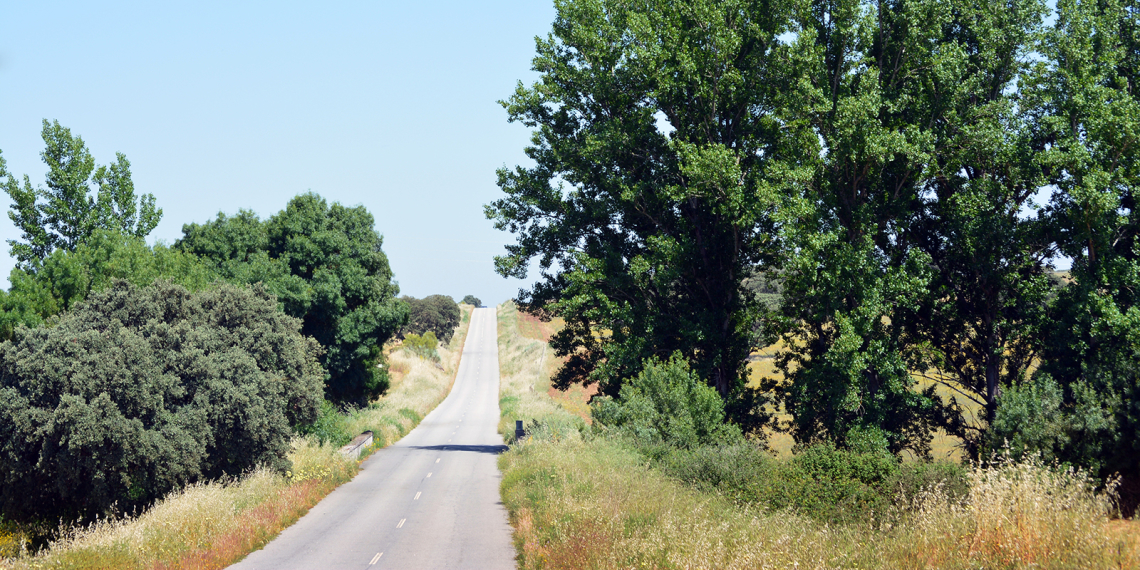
(472,300)
(438,314)
(744,472)
(823,482)
(838,485)
(913,481)
(138,391)
(666,403)
(330,425)
(422,346)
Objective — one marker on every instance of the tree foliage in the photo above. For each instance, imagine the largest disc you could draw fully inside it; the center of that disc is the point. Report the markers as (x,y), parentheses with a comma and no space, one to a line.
(1088,128)
(64,214)
(438,314)
(140,390)
(326,267)
(875,165)
(907,250)
(65,278)
(472,300)
(654,131)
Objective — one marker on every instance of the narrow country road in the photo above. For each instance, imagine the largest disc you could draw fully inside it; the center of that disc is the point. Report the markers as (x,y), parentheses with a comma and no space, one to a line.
(430,500)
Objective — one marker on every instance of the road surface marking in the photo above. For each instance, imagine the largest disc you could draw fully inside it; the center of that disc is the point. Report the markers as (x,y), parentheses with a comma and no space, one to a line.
(376,558)
(417,495)
(401,523)
(437,460)
(429,474)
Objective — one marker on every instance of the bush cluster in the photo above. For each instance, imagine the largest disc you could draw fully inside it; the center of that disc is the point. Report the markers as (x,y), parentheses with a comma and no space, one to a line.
(678,422)
(423,346)
(829,484)
(666,403)
(141,390)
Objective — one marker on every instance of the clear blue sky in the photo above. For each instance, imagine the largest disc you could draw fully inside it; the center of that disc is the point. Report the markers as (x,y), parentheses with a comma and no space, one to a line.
(221,106)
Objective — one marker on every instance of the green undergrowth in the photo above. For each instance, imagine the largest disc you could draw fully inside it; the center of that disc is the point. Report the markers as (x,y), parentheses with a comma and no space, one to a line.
(826,484)
(405,405)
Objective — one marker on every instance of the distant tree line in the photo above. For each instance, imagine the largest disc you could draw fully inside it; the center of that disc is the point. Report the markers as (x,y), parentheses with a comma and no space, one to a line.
(902,174)
(437,314)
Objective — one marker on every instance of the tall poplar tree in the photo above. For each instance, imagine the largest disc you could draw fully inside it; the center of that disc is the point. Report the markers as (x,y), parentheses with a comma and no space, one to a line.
(65,213)
(1084,404)
(655,132)
(908,252)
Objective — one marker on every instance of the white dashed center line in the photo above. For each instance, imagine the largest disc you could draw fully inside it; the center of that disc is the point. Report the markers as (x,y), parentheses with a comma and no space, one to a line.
(429,474)
(401,523)
(376,558)
(437,460)
(416,498)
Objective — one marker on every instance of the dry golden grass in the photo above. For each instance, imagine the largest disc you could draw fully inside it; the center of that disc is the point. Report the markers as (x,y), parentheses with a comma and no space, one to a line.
(214,524)
(595,504)
(207,525)
(587,502)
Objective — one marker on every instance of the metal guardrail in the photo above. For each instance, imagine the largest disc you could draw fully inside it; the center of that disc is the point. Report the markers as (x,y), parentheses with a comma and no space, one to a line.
(357,445)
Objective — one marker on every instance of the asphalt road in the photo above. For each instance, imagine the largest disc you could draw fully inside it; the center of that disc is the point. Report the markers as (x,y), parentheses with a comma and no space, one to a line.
(430,500)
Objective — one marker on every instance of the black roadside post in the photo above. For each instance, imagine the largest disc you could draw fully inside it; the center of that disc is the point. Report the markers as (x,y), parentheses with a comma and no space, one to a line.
(520,433)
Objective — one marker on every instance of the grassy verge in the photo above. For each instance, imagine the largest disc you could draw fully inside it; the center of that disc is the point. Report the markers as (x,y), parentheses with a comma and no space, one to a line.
(577,500)
(525,365)
(212,525)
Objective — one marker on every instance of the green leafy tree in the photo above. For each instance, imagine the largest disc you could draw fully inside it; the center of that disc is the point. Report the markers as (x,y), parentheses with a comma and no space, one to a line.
(65,278)
(326,267)
(644,234)
(141,390)
(1084,93)
(435,313)
(472,300)
(986,308)
(906,250)
(64,214)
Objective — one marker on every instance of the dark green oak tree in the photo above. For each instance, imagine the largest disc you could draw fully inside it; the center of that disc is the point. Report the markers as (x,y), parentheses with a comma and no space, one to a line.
(439,314)
(138,391)
(326,267)
(65,213)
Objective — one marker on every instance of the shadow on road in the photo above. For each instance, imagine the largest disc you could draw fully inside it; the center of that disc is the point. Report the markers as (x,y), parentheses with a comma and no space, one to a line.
(492,449)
